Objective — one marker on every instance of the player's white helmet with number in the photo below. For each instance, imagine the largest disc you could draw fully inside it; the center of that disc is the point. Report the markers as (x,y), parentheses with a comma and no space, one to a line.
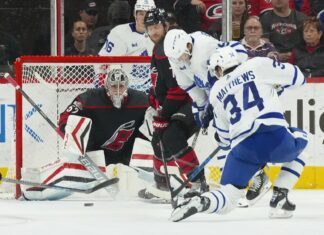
(175,43)
(144,5)
(225,58)
(116,84)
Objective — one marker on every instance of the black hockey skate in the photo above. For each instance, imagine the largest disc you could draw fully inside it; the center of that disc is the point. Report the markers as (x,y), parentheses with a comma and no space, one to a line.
(190,207)
(281,207)
(260,186)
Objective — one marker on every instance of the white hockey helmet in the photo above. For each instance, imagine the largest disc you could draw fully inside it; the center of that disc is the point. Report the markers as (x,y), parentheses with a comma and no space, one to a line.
(224,57)
(115,84)
(175,43)
(144,5)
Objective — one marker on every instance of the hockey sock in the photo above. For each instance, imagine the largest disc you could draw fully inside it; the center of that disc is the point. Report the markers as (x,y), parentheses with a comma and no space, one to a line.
(223,200)
(290,173)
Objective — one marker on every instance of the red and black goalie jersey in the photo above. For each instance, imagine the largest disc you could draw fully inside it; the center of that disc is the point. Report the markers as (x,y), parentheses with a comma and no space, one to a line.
(113,130)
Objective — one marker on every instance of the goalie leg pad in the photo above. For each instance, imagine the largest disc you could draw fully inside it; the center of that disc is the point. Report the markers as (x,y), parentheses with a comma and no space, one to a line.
(129,182)
(66,172)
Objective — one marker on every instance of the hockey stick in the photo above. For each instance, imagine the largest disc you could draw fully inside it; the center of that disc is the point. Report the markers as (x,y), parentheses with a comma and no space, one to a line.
(85,160)
(194,141)
(67,189)
(167,177)
(195,172)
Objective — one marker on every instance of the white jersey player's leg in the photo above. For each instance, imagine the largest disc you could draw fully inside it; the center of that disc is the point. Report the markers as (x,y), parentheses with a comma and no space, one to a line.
(290,172)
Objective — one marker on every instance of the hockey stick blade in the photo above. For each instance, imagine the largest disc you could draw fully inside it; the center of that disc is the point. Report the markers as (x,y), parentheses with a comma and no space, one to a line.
(68,189)
(85,160)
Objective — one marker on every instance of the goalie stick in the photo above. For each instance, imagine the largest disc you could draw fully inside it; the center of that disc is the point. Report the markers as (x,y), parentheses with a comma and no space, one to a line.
(85,159)
(68,189)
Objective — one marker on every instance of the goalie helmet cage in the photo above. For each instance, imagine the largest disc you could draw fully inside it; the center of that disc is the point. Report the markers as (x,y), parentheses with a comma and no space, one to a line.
(52,82)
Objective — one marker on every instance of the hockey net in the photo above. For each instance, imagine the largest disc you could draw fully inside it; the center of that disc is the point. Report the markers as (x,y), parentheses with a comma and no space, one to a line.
(52,83)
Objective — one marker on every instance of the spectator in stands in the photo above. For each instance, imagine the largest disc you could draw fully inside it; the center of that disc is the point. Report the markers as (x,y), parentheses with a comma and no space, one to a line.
(172,20)
(10,49)
(253,42)
(188,14)
(301,5)
(130,38)
(283,27)
(316,6)
(118,13)
(258,7)
(88,13)
(80,35)
(213,11)
(309,55)
(239,17)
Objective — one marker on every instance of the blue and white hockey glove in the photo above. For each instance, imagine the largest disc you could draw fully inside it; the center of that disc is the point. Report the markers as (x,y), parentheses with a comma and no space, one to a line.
(202,114)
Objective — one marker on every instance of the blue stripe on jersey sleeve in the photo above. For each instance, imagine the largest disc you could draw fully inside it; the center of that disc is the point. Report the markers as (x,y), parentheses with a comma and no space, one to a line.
(190,87)
(241,51)
(235,44)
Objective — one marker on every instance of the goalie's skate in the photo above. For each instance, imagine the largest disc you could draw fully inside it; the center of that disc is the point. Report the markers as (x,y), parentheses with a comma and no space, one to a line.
(190,207)
(260,186)
(281,207)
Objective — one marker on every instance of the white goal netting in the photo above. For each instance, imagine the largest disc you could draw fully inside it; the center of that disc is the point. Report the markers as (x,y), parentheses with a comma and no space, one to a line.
(52,83)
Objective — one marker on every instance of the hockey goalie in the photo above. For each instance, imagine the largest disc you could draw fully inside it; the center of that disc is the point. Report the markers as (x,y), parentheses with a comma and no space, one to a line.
(110,117)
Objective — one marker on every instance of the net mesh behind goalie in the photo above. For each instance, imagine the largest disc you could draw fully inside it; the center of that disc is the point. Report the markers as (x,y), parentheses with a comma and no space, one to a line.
(52,83)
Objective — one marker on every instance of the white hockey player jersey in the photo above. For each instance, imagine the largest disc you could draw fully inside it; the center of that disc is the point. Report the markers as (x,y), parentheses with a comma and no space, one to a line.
(194,77)
(247,97)
(125,40)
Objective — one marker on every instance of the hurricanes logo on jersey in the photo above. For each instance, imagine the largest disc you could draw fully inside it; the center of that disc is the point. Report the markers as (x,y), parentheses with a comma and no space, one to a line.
(120,137)
(214,11)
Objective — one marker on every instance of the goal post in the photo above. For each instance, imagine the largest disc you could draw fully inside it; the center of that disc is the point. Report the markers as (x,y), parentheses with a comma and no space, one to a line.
(53,82)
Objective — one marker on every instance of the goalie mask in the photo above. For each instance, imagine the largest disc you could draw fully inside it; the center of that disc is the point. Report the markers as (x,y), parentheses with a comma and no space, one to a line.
(116,85)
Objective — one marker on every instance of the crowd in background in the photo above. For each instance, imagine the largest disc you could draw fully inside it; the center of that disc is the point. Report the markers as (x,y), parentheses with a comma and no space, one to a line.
(286,30)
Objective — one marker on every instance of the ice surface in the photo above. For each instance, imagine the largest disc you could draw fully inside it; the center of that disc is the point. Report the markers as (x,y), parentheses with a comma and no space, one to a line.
(134,217)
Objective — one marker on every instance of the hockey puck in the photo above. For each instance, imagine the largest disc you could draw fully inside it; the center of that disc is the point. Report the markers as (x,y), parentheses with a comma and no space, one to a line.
(88,204)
